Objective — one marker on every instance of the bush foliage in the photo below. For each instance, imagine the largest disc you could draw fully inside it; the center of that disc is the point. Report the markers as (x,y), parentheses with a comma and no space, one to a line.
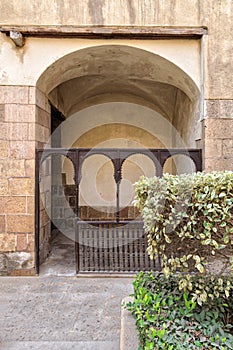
(188,220)
(167,318)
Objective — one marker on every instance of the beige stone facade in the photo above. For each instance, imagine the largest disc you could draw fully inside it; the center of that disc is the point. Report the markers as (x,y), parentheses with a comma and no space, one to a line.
(179,89)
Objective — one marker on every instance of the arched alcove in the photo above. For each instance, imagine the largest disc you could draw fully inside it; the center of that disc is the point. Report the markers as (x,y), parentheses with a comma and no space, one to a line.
(119,96)
(120,73)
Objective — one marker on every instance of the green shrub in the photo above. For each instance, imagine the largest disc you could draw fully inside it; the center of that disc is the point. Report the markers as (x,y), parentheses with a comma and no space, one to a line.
(167,318)
(188,220)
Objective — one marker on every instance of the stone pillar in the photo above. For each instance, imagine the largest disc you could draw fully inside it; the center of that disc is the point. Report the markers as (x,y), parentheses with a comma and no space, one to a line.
(23,126)
(218,135)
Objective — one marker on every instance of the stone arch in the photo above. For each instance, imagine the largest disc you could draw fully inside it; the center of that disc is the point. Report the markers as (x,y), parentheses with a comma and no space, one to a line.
(120,73)
(97,62)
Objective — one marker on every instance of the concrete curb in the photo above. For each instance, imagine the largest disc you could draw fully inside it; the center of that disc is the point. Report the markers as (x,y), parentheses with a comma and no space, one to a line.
(128,335)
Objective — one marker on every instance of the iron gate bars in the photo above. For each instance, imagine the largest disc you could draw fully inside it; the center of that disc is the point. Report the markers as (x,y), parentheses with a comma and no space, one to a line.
(110,247)
(117,156)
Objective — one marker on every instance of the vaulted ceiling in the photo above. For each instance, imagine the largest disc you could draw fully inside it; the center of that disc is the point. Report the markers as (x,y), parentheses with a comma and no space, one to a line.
(116,73)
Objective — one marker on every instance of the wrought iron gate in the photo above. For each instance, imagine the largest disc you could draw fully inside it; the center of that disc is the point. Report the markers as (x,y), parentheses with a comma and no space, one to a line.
(109,246)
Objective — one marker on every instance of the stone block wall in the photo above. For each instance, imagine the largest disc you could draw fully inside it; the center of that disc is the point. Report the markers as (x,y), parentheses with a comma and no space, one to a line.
(20,132)
(17,152)
(218,135)
(64,209)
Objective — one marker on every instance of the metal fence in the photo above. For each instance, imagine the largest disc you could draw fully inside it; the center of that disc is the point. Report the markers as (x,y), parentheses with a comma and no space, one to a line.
(110,247)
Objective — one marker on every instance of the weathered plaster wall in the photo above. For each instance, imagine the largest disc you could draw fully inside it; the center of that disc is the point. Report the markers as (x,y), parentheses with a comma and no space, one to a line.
(146,119)
(121,12)
(186,121)
(31,61)
(216,15)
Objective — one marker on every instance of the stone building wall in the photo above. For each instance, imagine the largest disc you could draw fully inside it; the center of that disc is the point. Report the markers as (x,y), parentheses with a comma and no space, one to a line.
(25,110)
(218,135)
(21,128)
(17,179)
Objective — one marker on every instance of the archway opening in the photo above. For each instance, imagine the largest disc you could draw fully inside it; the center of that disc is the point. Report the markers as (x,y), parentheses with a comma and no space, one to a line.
(119,96)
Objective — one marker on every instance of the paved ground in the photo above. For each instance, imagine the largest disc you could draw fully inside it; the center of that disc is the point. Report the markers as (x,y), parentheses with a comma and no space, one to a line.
(61,261)
(57,310)
(66,312)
